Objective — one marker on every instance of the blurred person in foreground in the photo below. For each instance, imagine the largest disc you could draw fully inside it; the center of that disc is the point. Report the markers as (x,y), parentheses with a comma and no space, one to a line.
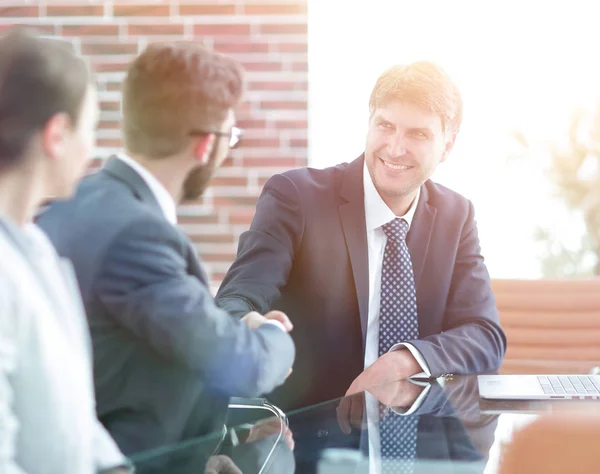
(166,358)
(48,114)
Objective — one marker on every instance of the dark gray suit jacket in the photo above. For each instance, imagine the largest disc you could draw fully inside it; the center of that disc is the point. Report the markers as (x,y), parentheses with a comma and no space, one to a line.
(306,253)
(166,359)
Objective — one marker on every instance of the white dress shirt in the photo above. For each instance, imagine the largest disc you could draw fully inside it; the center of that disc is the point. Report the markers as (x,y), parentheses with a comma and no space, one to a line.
(377,213)
(165,200)
(160,193)
(48,422)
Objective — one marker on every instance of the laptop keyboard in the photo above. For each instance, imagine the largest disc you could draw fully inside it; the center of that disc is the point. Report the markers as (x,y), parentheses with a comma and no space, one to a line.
(569,385)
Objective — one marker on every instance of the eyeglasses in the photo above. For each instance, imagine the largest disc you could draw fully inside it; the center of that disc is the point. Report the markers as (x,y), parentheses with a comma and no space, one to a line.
(235,135)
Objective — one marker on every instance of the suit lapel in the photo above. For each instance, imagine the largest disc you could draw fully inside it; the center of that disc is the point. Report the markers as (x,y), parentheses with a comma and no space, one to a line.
(419,236)
(352,216)
(118,169)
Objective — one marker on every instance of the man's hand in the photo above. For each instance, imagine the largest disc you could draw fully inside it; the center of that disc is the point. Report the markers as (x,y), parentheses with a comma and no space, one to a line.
(221,464)
(402,393)
(282,318)
(390,367)
(255,320)
(270,427)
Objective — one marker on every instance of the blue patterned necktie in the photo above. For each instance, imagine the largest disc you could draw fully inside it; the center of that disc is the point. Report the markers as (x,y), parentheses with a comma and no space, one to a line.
(398,304)
(397,323)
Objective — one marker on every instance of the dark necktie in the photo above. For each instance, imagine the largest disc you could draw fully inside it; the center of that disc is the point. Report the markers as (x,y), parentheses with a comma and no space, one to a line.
(398,304)
(397,323)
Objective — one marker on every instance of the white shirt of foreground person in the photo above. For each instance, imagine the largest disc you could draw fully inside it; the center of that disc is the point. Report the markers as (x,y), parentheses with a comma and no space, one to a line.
(48,422)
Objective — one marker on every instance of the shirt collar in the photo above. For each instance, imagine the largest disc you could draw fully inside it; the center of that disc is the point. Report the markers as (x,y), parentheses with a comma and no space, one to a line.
(377,212)
(162,196)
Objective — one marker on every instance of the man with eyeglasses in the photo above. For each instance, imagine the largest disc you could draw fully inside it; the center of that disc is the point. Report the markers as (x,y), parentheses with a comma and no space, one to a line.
(166,359)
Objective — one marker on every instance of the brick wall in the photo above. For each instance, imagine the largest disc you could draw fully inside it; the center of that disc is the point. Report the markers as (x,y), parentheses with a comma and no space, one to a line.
(269,37)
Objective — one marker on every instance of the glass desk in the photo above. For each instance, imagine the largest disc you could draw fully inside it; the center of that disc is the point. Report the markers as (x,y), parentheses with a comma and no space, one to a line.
(441,427)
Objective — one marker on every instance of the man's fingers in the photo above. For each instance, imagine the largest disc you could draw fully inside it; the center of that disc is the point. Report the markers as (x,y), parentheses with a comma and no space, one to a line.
(343,415)
(282,318)
(356,412)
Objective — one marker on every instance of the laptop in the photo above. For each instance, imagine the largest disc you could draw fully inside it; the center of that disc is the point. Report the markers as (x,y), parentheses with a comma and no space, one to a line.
(539,387)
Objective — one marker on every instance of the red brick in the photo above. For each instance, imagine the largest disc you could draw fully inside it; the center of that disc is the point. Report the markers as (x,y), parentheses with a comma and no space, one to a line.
(19,12)
(229,181)
(253,162)
(291,124)
(300,66)
(109,48)
(100,66)
(281,9)
(298,142)
(109,142)
(226,201)
(215,30)
(141,10)
(191,9)
(41,29)
(262,66)
(205,219)
(260,142)
(279,29)
(90,30)
(75,10)
(213,238)
(110,106)
(283,105)
(176,29)
(241,47)
(108,125)
(241,216)
(251,124)
(278,85)
(114,86)
(291,47)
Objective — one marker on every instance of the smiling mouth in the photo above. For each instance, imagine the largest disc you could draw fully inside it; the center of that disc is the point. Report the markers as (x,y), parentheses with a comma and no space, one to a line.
(395,167)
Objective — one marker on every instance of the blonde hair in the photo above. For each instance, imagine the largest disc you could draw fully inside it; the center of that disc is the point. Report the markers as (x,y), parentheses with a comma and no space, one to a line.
(423,84)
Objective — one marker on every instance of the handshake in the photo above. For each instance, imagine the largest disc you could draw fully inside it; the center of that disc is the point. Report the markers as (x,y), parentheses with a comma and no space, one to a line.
(255,320)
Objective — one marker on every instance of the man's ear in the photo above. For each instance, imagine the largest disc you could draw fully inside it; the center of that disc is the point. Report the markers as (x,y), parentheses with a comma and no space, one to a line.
(448,147)
(55,134)
(202,148)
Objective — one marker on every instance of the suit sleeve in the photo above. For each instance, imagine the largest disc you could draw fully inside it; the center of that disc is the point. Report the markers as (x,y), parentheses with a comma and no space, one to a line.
(266,251)
(144,285)
(472,340)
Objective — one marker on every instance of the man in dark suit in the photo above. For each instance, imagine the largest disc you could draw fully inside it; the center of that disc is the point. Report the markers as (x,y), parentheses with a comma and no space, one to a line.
(378,267)
(166,359)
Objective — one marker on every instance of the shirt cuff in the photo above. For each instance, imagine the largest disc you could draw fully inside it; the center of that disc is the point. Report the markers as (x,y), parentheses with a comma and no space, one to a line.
(416,404)
(415,353)
(276,323)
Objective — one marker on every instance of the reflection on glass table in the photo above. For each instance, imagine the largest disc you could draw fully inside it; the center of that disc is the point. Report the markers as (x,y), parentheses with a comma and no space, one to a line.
(405,426)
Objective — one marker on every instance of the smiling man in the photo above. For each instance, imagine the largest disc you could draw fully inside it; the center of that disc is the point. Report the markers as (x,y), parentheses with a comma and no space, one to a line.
(378,267)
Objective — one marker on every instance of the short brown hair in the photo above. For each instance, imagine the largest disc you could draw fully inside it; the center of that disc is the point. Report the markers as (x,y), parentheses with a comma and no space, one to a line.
(424,84)
(39,77)
(172,88)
